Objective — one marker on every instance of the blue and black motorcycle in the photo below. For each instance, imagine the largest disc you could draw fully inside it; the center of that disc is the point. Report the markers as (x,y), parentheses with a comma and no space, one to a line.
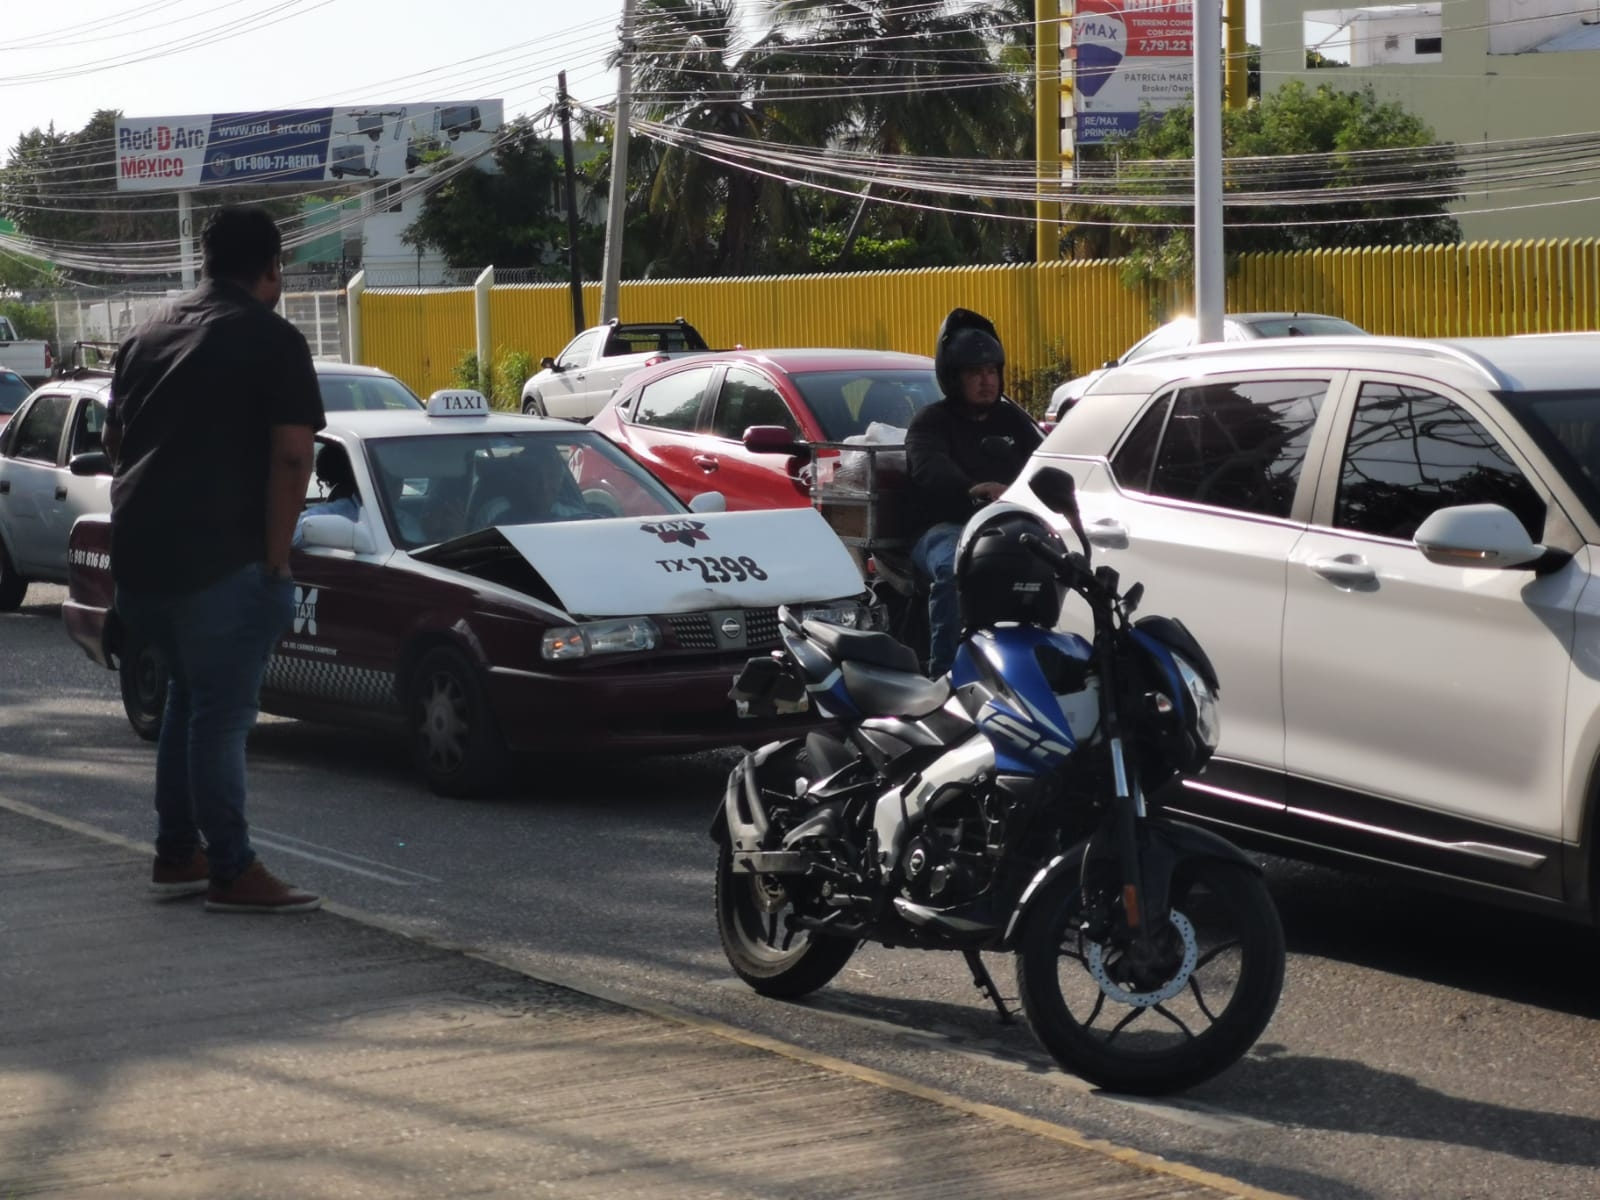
(1004,808)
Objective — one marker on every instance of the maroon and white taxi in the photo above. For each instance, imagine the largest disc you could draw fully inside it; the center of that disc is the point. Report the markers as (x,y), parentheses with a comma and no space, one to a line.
(504,583)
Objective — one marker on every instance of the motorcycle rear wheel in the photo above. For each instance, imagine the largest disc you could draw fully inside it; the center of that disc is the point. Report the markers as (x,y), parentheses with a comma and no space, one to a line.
(1113,1033)
(750,911)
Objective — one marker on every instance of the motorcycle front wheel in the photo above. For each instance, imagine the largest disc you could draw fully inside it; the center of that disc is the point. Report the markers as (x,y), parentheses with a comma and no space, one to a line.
(1150,1028)
(761,951)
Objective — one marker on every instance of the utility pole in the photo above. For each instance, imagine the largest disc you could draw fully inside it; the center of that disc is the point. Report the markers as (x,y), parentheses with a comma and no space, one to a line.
(574,270)
(1209,288)
(186,239)
(1047,126)
(616,211)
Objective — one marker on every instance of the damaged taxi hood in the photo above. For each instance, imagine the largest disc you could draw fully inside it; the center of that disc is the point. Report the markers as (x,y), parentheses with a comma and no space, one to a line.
(628,566)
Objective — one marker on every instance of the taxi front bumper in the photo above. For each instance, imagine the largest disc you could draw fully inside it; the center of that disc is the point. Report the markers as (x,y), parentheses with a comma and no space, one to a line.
(648,706)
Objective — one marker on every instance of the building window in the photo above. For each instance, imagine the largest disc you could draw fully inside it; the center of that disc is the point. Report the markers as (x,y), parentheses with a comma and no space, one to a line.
(1430,45)
(387,199)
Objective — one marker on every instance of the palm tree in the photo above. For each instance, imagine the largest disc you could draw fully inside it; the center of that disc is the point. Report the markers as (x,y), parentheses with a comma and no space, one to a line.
(691,74)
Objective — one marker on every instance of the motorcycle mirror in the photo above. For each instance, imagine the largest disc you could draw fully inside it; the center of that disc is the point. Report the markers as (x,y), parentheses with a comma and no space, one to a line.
(1056,489)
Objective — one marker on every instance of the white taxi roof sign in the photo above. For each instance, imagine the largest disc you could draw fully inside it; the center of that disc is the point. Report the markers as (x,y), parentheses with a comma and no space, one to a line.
(458,402)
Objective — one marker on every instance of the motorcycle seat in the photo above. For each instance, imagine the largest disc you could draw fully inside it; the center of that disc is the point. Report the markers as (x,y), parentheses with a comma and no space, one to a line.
(887,692)
(862,646)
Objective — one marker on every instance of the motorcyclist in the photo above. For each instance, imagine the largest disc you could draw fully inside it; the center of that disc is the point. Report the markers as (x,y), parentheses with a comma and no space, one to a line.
(961,451)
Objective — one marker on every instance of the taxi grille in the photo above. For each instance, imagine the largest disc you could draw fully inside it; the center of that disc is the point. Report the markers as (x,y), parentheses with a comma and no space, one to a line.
(692,631)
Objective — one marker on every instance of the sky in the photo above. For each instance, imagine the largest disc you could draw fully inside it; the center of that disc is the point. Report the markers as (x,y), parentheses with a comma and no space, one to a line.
(151,58)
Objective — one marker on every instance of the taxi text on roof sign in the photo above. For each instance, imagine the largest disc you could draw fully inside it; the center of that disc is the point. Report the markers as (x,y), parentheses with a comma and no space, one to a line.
(455,402)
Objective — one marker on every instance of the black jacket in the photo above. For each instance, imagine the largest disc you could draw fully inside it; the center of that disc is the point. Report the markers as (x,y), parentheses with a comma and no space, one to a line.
(947,452)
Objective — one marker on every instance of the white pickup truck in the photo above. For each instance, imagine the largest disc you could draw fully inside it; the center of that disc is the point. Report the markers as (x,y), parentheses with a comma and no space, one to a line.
(577,383)
(29,358)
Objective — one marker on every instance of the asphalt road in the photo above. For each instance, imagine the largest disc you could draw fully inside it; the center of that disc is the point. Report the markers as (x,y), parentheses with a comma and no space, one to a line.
(1424,1047)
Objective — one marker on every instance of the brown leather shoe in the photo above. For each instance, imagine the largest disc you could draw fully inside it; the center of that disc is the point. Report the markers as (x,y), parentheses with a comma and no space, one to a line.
(259,891)
(171,880)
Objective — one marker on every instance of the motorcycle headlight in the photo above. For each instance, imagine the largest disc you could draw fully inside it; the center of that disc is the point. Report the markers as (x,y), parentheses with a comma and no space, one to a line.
(1207,715)
(627,635)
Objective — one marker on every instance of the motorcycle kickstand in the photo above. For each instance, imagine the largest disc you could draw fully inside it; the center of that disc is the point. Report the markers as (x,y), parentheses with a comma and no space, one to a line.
(985,984)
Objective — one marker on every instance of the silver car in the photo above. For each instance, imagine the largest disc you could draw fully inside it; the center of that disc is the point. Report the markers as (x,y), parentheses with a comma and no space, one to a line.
(53,469)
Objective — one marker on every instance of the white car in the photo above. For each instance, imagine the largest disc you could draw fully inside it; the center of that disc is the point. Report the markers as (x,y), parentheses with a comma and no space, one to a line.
(1389,550)
(1180,333)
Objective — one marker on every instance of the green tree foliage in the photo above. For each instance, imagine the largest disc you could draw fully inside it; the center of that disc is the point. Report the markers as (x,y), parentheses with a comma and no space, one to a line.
(1402,200)
(884,77)
(505,217)
(30,320)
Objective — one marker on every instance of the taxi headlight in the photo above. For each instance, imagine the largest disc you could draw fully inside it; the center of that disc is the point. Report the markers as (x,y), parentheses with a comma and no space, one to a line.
(847,614)
(623,636)
(1207,716)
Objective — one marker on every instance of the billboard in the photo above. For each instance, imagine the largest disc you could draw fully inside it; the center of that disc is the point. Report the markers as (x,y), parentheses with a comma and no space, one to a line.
(298,145)
(1126,56)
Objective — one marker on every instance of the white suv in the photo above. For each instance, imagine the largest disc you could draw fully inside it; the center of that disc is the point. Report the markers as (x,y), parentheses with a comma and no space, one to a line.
(1388,548)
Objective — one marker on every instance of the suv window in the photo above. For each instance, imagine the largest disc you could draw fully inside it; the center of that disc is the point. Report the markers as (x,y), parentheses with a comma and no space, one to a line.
(673,402)
(1238,445)
(1411,452)
(577,352)
(38,437)
(749,398)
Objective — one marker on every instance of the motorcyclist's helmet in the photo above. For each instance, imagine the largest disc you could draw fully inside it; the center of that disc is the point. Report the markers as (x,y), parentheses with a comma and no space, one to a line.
(998,579)
(966,339)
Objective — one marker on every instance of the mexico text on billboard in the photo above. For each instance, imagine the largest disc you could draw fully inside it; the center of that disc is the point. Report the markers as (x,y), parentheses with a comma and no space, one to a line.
(306,145)
(1127,56)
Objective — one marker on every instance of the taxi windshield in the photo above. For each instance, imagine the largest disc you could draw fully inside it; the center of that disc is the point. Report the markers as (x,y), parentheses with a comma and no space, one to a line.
(436,488)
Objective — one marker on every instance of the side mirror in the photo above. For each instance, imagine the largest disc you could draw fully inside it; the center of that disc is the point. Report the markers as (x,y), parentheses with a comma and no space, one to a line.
(709,502)
(772,439)
(1476,535)
(329,532)
(91,462)
(1108,364)
(548,363)
(1056,490)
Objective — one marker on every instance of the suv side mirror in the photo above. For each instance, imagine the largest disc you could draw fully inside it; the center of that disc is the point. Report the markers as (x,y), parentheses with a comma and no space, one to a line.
(548,363)
(772,439)
(91,462)
(1477,535)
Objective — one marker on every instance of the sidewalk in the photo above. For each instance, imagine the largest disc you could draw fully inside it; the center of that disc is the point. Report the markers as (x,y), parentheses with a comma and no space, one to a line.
(150,1049)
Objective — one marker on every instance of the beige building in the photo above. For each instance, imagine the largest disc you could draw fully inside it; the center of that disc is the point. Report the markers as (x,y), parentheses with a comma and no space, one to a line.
(1489,74)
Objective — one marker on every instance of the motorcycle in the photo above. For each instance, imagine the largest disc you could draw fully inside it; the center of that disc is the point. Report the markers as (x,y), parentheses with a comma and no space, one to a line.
(1004,808)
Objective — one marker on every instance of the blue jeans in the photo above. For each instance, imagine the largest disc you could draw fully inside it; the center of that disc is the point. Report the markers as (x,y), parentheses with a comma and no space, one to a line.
(216,642)
(935,556)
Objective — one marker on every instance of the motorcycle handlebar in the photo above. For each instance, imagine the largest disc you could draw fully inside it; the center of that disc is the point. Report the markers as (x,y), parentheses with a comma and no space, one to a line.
(1069,567)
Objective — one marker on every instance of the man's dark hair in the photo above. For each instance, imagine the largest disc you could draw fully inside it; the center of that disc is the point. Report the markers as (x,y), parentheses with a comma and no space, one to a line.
(240,244)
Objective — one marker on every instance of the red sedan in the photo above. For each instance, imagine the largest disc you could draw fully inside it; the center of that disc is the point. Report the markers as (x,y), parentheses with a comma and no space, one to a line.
(686,420)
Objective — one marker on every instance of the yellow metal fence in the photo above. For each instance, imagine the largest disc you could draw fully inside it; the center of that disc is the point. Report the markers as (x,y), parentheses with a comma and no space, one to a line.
(1055,318)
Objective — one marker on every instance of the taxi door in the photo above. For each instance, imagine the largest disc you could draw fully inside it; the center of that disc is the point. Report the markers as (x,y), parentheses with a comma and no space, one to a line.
(342,648)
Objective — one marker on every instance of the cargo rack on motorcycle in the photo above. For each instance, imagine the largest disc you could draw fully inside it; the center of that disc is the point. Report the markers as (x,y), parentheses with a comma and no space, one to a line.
(862,491)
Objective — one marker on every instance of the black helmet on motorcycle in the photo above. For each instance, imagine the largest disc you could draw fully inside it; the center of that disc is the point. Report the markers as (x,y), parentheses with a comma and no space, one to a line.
(1000,579)
(966,339)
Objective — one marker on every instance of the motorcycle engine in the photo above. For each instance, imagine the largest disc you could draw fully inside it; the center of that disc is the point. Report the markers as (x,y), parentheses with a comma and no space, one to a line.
(949,860)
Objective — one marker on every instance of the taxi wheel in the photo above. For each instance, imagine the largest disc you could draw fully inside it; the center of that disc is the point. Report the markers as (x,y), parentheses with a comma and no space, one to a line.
(454,740)
(13,587)
(142,672)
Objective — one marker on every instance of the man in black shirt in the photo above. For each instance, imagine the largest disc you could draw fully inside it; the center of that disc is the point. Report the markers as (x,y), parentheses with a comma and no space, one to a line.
(214,403)
(961,452)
